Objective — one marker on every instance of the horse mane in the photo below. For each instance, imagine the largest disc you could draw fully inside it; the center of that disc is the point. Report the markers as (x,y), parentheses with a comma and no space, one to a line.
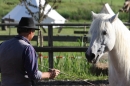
(122,45)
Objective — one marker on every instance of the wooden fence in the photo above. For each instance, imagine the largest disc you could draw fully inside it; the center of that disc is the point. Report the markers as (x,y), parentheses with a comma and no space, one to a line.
(50,48)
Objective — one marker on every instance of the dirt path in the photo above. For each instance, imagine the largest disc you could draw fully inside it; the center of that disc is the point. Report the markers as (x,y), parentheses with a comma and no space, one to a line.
(73,83)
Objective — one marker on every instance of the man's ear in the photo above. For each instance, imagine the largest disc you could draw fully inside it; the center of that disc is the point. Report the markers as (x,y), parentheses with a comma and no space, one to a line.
(30,31)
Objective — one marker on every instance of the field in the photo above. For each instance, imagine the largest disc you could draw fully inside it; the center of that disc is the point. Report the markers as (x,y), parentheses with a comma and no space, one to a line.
(72,65)
(73,10)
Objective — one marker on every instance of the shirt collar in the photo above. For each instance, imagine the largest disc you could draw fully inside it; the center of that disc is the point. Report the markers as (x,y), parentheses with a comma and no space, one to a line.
(23,38)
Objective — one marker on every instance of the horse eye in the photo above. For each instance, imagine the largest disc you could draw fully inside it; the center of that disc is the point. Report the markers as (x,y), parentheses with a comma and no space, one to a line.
(104,32)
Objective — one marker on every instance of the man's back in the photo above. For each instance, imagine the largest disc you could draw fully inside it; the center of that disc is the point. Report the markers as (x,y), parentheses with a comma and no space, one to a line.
(11,63)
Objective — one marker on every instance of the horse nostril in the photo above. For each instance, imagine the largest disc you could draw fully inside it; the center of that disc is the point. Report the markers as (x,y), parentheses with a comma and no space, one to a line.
(92,56)
(99,50)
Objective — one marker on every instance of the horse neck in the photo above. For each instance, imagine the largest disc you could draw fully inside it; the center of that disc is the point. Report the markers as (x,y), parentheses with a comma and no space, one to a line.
(120,54)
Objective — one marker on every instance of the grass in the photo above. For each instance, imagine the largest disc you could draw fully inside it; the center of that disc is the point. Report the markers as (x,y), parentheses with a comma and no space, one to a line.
(72,68)
(74,10)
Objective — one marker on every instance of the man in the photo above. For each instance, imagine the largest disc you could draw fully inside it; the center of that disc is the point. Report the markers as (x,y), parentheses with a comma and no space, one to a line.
(18,59)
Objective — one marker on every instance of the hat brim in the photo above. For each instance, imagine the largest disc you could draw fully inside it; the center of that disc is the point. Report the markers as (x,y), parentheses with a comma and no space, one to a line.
(26,27)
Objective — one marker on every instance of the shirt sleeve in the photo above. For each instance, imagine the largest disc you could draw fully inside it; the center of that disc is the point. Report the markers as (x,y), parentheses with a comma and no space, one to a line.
(30,63)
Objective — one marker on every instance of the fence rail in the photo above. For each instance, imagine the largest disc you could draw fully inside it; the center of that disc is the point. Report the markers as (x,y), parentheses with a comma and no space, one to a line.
(50,48)
(47,24)
(55,38)
(60,49)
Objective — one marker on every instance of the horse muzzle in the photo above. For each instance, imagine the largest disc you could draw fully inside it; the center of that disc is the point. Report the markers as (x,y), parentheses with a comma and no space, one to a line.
(90,57)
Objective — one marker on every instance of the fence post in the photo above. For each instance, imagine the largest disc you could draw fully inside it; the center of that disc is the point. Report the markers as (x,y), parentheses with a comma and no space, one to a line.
(50,44)
(41,45)
(3,26)
(38,37)
(9,26)
(84,36)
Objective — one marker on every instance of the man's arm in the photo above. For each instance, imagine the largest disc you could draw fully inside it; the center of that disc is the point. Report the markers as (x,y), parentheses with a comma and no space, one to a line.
(31,66)
(30,63)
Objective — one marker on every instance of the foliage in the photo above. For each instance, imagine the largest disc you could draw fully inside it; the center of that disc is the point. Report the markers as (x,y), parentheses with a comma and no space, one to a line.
(73,9)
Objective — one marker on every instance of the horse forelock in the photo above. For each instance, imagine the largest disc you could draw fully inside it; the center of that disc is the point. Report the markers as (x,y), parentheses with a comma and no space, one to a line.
(99,24)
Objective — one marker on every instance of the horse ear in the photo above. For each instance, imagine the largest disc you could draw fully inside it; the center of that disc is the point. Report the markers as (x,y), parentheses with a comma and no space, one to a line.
(93,15)
(113,18)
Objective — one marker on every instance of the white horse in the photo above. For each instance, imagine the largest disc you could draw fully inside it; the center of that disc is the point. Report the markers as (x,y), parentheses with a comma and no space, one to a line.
(109,34)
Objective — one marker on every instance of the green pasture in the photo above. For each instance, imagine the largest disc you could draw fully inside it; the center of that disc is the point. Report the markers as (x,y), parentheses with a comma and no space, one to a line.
(74,10)
(72,68)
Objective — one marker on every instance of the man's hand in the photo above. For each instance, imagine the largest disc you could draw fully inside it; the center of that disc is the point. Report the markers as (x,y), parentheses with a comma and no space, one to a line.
(54,73)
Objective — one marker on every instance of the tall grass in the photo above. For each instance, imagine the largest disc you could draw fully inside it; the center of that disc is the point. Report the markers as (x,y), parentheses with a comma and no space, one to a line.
(72,68)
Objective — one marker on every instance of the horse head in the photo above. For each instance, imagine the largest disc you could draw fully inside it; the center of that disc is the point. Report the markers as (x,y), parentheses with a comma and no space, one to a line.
(102,36)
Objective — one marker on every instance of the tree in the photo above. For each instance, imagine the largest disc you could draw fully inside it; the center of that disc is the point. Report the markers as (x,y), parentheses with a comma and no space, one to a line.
(39,15)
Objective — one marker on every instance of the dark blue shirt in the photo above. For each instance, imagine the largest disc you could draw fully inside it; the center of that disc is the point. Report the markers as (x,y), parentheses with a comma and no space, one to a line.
(29,57)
